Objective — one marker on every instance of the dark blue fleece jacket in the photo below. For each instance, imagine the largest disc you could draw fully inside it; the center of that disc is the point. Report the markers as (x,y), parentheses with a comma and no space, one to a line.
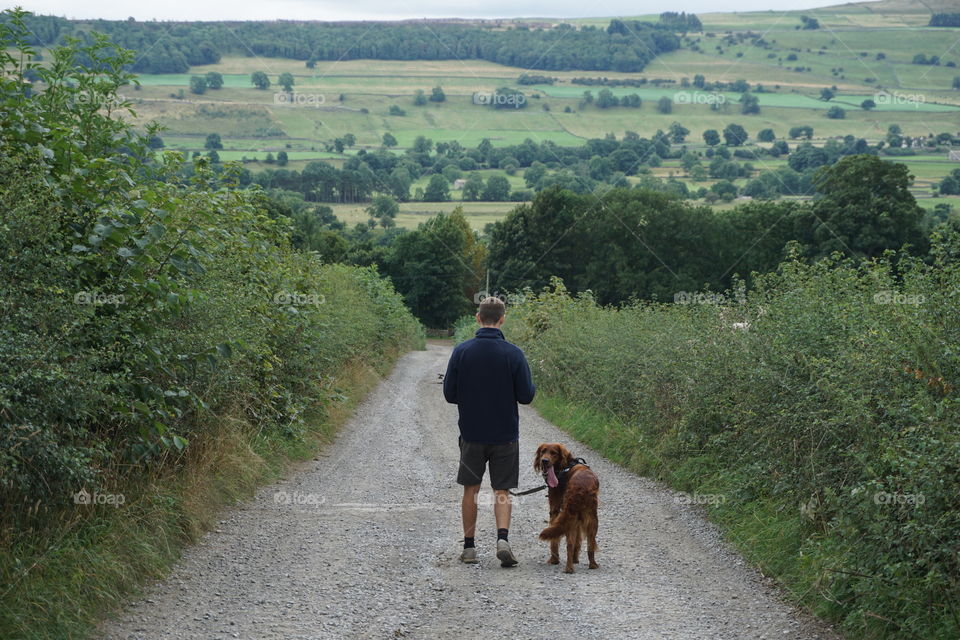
(486,378)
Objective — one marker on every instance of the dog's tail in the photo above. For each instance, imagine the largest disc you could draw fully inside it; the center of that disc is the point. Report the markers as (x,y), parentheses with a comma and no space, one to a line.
(577,507)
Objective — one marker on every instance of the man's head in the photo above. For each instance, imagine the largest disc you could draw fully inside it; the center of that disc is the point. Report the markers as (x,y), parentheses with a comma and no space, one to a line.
(492,312)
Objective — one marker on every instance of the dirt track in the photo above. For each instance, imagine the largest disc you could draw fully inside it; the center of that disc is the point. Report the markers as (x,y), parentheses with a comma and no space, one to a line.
(363,543)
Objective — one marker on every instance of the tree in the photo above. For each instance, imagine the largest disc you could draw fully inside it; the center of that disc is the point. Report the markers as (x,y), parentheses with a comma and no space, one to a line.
(497,189)
(286,81)
(749,104)
(473,187)
(678,133)
(956,82)
(282,159)
(422,144)
(665,105)
(804,131)
(419,98)
(198,85)
(213,142)
(437,95)
(260,80)
(349,140)
(214,80)
(438,189)
(868,104)
(827,94)
(836,113)
(383,206)
(711,137)
(395,110)
(437,269)
(866,208)
(950,185)
(766,135)
(734,135)
(389,140)
(606,99)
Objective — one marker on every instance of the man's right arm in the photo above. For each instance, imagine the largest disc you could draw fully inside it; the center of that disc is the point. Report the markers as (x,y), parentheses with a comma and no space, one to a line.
(450,378)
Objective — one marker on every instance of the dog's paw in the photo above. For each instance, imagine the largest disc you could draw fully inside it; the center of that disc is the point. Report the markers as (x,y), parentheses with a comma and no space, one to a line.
(594,565)
(568,570)
(553,561)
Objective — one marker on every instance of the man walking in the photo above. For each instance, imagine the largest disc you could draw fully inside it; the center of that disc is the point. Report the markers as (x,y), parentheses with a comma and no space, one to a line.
(486,378)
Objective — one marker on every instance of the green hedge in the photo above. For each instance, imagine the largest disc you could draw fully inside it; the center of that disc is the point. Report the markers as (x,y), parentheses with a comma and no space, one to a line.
(826,423)
(160,340)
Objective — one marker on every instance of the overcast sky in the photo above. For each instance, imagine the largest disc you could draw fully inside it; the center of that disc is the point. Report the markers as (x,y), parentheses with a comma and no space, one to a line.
(387,10)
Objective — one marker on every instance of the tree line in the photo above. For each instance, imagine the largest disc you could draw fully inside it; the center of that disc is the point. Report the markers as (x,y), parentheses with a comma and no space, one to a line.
(173,48)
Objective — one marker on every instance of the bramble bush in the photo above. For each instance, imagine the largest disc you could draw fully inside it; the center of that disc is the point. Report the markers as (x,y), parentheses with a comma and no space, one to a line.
(823,401)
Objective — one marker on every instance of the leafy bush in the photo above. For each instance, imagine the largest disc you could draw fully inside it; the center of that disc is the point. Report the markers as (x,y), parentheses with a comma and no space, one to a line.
(136,309)
(822,405)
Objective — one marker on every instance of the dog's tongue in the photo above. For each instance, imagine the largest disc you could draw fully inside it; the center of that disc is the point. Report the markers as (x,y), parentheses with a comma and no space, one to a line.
(551,478)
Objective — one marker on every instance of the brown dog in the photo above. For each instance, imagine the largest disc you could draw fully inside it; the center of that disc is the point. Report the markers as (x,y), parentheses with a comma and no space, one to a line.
(573,494)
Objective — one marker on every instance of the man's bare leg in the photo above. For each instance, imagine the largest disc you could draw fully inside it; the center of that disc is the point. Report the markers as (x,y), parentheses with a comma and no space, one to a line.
(468,510)
(502,506)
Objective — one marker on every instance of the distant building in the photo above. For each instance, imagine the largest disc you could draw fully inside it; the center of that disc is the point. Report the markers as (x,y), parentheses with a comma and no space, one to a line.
(458,183)
(955,156)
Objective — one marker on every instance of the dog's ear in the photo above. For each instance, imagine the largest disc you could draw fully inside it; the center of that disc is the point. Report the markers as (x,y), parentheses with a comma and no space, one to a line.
(537,456)
(565,456)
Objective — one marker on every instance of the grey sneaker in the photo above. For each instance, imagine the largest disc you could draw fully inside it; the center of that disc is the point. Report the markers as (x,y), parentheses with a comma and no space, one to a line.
(505,555)
(469,556)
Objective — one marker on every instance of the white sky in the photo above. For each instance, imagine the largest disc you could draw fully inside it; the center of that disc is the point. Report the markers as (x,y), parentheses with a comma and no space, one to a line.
(394,9)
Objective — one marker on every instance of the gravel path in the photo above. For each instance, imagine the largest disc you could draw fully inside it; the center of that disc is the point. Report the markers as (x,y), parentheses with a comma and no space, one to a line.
(364,541)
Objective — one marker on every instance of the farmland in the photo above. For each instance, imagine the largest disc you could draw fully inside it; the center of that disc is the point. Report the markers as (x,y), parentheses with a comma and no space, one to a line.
(862,52)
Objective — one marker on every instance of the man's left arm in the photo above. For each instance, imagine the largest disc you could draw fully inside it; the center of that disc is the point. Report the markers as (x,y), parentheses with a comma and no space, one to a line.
(523,387)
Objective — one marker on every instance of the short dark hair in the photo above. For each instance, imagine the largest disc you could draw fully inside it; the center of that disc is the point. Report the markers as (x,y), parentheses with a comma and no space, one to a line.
(491,310)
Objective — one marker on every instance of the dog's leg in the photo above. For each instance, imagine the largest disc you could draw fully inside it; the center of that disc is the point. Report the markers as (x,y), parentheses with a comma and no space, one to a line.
(554,552)
(592,526)
(579,540)
(571,543)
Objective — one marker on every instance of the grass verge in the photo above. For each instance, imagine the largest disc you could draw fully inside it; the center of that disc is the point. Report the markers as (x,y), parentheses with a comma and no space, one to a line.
(61,579)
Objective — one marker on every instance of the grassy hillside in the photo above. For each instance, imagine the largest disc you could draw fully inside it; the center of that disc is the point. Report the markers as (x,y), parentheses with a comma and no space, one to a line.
(864,50)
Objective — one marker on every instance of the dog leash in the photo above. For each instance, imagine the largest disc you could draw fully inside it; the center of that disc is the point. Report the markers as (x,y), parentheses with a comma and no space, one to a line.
(523,493)
(563,475)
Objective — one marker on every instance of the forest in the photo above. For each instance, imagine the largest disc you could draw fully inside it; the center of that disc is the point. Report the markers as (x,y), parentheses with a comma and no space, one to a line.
(174,47)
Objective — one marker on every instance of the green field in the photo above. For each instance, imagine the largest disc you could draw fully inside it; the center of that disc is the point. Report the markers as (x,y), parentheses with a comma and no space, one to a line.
(863,50)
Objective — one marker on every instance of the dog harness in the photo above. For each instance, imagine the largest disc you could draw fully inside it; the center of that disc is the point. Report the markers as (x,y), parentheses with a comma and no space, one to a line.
(562,476)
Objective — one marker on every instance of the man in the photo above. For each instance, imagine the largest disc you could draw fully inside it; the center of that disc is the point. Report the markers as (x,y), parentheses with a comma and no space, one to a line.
(486,378)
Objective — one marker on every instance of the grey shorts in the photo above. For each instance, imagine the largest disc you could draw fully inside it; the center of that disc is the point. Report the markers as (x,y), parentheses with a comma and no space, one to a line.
(504,462)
